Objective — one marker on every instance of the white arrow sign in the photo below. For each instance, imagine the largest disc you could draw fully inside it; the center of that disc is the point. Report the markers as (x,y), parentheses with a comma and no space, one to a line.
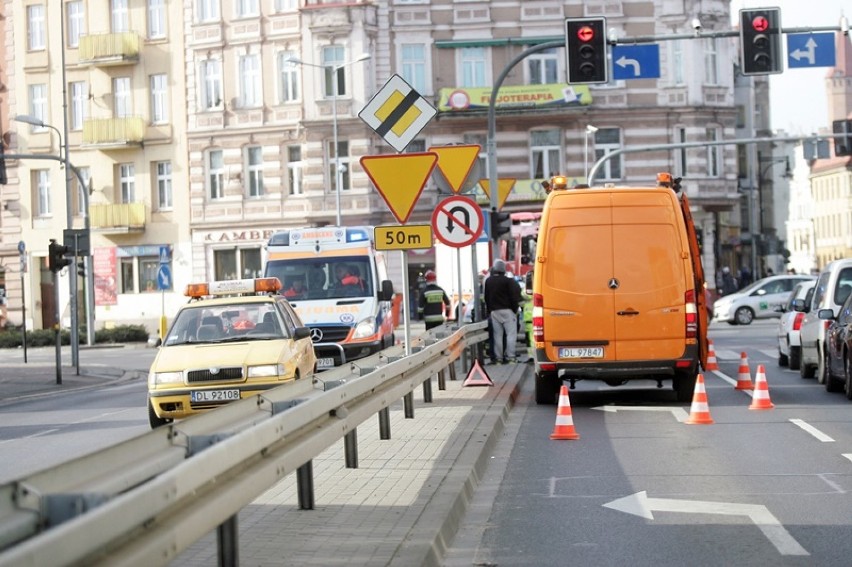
(678,413)
(810,54)
(640,505)
(624,62)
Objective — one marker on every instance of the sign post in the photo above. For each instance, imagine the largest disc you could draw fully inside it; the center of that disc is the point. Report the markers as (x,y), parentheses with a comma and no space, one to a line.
(164,281)
(22,250)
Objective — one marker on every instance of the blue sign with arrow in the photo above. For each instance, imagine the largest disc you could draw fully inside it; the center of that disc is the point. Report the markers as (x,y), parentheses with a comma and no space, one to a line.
(164,277)
(636,62)
(810,50)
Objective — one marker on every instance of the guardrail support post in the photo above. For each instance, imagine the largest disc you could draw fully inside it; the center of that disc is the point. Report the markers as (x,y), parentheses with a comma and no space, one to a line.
(408,405)
(305,485)
(227,538)
(350,449)
(442,380)
(453,371)
(427,390)
(384,424)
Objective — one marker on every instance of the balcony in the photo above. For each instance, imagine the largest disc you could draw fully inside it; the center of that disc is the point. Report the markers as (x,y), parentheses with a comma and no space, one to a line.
(122,218)
(109,49)
(105,133)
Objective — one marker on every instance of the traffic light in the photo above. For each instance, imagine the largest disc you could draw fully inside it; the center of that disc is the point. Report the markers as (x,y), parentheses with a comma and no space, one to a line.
(56,259)
(760,41)
(586,50)
(501,223)
(842,144)
(81,269)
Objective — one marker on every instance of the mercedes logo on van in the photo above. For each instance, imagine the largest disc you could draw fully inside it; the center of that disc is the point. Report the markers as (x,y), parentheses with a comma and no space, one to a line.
(316,335)
(613,283)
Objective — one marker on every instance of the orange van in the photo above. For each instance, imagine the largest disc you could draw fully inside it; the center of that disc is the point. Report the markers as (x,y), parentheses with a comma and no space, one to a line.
(618,289)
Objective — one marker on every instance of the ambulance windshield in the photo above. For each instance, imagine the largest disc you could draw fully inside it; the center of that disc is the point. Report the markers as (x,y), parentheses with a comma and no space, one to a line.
(323,278)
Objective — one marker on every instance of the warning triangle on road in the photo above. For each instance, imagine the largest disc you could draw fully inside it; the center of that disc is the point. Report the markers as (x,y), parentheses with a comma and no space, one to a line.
(504,187)
(400,179)
(456,162)
(477,376)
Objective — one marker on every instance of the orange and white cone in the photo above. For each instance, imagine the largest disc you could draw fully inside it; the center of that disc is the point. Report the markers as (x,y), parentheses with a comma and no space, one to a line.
(760,398)
(744,375)
(712,363)
(564,428)
(699,413)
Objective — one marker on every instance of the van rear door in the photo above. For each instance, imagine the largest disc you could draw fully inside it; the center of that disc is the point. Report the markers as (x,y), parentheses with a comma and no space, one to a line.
(698,275)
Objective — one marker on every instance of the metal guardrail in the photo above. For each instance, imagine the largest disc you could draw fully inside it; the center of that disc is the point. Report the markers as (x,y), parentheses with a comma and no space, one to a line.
(144,501)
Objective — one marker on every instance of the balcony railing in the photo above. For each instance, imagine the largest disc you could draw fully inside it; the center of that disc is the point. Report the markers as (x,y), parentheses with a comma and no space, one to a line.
(113,131)
(121,217)
(107,49)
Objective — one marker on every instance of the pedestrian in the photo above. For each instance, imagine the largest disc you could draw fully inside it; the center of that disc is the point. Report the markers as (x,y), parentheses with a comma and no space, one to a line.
(729,283)
(502,299)
(434,303)
(744,277)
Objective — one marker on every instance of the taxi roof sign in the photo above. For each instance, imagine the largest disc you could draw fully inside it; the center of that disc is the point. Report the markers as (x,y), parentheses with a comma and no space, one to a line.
(397,113)
(456,162)
(400,179)
(504,187)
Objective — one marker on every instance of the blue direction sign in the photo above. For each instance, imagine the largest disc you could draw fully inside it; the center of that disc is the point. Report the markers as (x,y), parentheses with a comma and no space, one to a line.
(810,50)
(636,62)
(164,277)
(165,254)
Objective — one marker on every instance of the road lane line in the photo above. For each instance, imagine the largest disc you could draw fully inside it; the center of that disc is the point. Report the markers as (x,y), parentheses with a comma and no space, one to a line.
(848,456)
(812,430)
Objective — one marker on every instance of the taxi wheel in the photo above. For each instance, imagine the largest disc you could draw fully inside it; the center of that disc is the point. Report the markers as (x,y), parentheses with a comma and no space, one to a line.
(744,316)
(154,420)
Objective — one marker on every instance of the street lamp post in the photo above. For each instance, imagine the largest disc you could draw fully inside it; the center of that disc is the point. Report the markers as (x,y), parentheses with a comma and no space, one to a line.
(589,131)
(334,69)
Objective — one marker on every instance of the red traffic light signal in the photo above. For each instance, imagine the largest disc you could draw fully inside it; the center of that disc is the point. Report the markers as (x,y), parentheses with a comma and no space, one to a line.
(760,23)
(760,41)
(585,34)
(586,50)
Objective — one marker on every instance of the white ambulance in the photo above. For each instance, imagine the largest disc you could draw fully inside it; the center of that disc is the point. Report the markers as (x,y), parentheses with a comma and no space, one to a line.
(338,283)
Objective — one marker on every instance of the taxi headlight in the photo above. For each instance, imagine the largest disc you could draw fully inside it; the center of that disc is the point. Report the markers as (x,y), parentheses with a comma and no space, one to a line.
(266,370)
(166,378)
(366,328)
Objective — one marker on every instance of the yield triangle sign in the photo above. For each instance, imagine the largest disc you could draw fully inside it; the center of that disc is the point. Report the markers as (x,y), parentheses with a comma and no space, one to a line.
(504,187)
(456,163)
(400,179)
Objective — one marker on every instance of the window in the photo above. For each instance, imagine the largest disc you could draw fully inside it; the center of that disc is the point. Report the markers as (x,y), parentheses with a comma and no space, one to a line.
(254,170)
(294,169)
(677,62)
(543,67)
(714,153)
(38,105)
(215,174)
(473,67)
(127,275)
(211,84)
(249,77)
(606,141)
(413,64)
(544,153)
(482,141)
(208,10)
(288,77)
(711,64)
(680,163)
(76,22)
(159,99)
(35,27)
(343,160)
(148,268)
(79,100)
(286,5)
(332,60)
(238,263)
(156,19)
(246,8)
(122,97)
(163,175)
(120,16)
(127,182)
(41,180)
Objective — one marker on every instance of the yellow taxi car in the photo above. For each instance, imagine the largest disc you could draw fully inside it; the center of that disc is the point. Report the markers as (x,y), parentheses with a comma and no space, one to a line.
(231,340)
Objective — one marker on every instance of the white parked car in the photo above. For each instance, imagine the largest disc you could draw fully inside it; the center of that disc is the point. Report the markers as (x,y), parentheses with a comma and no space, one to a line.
(792,314)
(759,300)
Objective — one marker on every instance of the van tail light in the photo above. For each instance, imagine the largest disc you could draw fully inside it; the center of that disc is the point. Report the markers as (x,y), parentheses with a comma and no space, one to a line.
(797,321)
(538,318)
(691,314)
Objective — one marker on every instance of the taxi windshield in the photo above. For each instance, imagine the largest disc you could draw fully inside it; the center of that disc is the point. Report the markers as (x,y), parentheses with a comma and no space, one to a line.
(225,322)
(323,278)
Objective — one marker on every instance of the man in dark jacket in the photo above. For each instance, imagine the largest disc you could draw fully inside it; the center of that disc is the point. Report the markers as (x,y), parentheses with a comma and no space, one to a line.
(502,299)
(434,303)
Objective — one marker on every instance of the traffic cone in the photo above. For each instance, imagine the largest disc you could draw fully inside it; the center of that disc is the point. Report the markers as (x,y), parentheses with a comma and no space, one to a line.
(744,375)
(712,363)
(699,413)
(564,428)
(760,398)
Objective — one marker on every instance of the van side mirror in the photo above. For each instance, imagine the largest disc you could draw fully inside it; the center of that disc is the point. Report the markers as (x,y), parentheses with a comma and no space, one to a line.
(528,282)
(386,292)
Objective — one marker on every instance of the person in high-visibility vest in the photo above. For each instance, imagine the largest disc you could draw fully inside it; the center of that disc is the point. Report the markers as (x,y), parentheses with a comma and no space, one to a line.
(434,302)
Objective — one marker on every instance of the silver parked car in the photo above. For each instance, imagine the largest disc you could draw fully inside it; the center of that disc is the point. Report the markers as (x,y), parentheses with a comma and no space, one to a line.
(759,300)
(792,314)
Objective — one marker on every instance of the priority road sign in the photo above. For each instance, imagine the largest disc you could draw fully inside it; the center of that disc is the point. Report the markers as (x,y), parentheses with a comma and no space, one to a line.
(397,113)
(636,61)
(400,179)
(457,221)
(810,50)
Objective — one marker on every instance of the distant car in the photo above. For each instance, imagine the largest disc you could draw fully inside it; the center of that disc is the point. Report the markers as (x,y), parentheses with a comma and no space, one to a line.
(792,314)
(838,343)
(232,340)
(759,300)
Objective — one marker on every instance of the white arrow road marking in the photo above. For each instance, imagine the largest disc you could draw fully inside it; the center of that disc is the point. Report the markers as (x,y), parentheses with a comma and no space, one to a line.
(848,456)
(640,505)
(678,413)
(812,430)
(623,61)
